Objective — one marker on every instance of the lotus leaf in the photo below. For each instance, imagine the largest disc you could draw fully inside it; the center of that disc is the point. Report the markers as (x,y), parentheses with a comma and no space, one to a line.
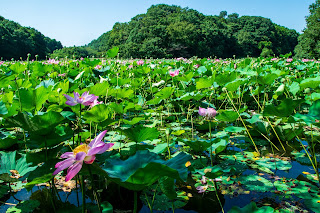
(145,168)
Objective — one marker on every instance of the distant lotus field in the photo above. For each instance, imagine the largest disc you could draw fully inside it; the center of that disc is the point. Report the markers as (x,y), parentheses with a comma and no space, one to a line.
(160,135)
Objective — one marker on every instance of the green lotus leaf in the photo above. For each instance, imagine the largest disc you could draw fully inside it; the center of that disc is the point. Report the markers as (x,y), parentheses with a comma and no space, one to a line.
(97,113)
(313,204)
(51,139)
(26,206)
(10,162)
(140,133)
(191,95)
(7,139)
(234,85)
(266,79)
(33,99)
(145,168)
(167,187)
(234,129)
(165,93)
(294,88)
(274,163)
(315,96)
(4,189)
(310,83)
(284,109)
(252,208)
(256,183)
(202,70)
(225,77)
(313,114)
(227,115)
(18,67)
(113,52)
(39,69)
(213,172)
(197,145)
(161,202)
(202,83)
(3,108)
(218,145)
(38,180)
(38,124)
(134,121)
(46,83)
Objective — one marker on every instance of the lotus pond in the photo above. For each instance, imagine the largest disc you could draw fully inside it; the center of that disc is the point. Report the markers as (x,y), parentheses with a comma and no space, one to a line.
(160,135)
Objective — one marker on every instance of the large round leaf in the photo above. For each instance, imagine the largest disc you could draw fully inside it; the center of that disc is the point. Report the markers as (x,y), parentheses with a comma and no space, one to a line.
(145,168)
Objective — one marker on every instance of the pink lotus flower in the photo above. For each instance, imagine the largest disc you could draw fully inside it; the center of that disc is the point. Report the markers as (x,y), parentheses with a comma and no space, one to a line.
(140,62)
(274,59)
(196,66)
(289,60)
(174,73)
(208,113)
(130,66)
(84,99)
(95,102)
(61,75)
(1,62)
(52,61)
(202,189)
(98,67)
(305,60)
(82,153)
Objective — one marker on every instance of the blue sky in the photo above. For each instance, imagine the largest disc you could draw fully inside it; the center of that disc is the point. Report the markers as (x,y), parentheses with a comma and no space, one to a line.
(77,22)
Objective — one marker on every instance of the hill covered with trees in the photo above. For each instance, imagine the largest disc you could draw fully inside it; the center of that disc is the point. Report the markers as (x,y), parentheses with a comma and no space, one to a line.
(172,31)
(309,41)
(17,41)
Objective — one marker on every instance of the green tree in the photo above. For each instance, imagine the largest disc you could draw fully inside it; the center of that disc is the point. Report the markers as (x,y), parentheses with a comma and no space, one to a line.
(172,31)
(309,42)
(17,41)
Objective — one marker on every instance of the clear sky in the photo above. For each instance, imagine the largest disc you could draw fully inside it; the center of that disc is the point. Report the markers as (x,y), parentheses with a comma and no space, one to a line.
(77,22)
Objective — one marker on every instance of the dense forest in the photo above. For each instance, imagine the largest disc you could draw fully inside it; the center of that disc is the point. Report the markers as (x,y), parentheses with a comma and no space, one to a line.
(172,31)
(309,40)
(17,41)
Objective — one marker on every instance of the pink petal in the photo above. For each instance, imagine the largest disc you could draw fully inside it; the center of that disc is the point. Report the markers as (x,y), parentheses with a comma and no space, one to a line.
(97,139)
(100,149)
(106,147)
(202,111)
(63,165)
(73,170)
(70,101)
(80,156)
(67,155)
(68,97)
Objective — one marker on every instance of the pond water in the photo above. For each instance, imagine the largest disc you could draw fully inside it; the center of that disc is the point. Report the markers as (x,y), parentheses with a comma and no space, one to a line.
(198,203)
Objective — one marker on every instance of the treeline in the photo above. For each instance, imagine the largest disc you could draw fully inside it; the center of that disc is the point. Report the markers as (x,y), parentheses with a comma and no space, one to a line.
(171,31)
(17,41)
(76,52)
(309,40)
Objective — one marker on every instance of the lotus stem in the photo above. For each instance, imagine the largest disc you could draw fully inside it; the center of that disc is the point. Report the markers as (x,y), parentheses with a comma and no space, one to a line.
(83,195)
(268,122)
(216,189)
(135,207)
(243,124)
(94,189)
(210,143)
